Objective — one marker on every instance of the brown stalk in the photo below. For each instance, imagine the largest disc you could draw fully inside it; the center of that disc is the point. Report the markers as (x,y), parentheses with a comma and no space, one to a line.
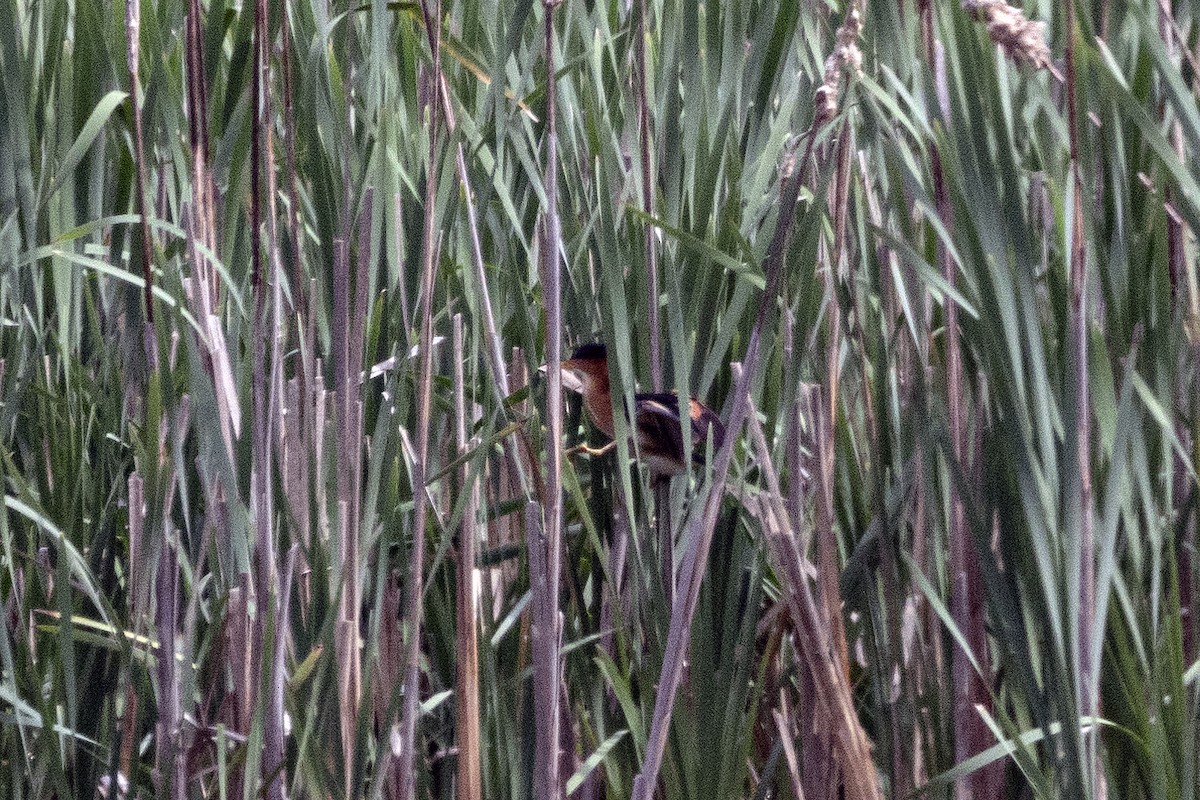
(545,549)
(295,447)
(845,57)
(137,525)
(970,733)
(827,547)
(962,588)
(170,764)
(133,25)
(1186,302)
(544,606)
(198,137)
(295,235)
(236,641)
(518,376)
(817,638)
(261,485)
(162,589)
(818,767)
(349,313)
(470,781)
(904,760)
(194,216)
(1176,229)
(264,404)
(296,429)
(900,760)
(405,769)
(786,735)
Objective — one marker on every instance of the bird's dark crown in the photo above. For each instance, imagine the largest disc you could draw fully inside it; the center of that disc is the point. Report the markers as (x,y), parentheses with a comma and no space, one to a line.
(593,351)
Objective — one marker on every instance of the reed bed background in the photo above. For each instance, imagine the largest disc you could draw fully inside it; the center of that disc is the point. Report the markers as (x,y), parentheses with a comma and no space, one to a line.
(287,512)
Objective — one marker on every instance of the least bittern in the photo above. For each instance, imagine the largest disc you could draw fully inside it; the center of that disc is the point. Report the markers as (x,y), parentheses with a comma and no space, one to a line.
(659,434)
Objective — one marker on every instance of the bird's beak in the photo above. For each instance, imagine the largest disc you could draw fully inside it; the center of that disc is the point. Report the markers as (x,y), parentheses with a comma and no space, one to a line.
(572,379)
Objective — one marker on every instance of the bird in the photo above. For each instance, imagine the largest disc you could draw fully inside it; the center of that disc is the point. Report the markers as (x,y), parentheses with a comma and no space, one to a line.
(659,434)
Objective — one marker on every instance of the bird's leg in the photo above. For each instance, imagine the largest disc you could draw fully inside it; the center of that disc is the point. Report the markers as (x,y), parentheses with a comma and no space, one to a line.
(594,452)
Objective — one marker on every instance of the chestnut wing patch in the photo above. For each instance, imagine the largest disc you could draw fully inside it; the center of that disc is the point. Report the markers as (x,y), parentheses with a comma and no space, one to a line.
(659,430)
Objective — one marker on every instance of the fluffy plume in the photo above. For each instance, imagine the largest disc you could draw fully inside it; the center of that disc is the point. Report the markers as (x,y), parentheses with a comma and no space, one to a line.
(845,55)
(1022,39)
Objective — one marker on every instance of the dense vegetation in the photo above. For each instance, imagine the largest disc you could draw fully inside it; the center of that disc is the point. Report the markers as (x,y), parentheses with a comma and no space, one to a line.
(287,505)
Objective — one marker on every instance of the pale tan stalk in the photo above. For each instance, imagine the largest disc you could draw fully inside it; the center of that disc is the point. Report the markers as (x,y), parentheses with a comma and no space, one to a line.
(466,690)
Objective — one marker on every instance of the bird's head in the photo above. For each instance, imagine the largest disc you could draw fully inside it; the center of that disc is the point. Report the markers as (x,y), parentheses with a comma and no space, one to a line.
(587,368)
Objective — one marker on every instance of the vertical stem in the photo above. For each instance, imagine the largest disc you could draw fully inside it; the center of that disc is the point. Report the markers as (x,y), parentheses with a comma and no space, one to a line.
(1186,303)
(960,587)
(495,344)
(547,781)
(170,760)
(970,733)
(470,785)
(923,531)
(295,235)
(133,23)
(490,333)
(1088,689)
(903,760)
(645,137)
(279,582)
(827,541)
(662,507)
(263,396)
(545,695)
(133,34)
(282,602)
(405,768)
(345,445)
